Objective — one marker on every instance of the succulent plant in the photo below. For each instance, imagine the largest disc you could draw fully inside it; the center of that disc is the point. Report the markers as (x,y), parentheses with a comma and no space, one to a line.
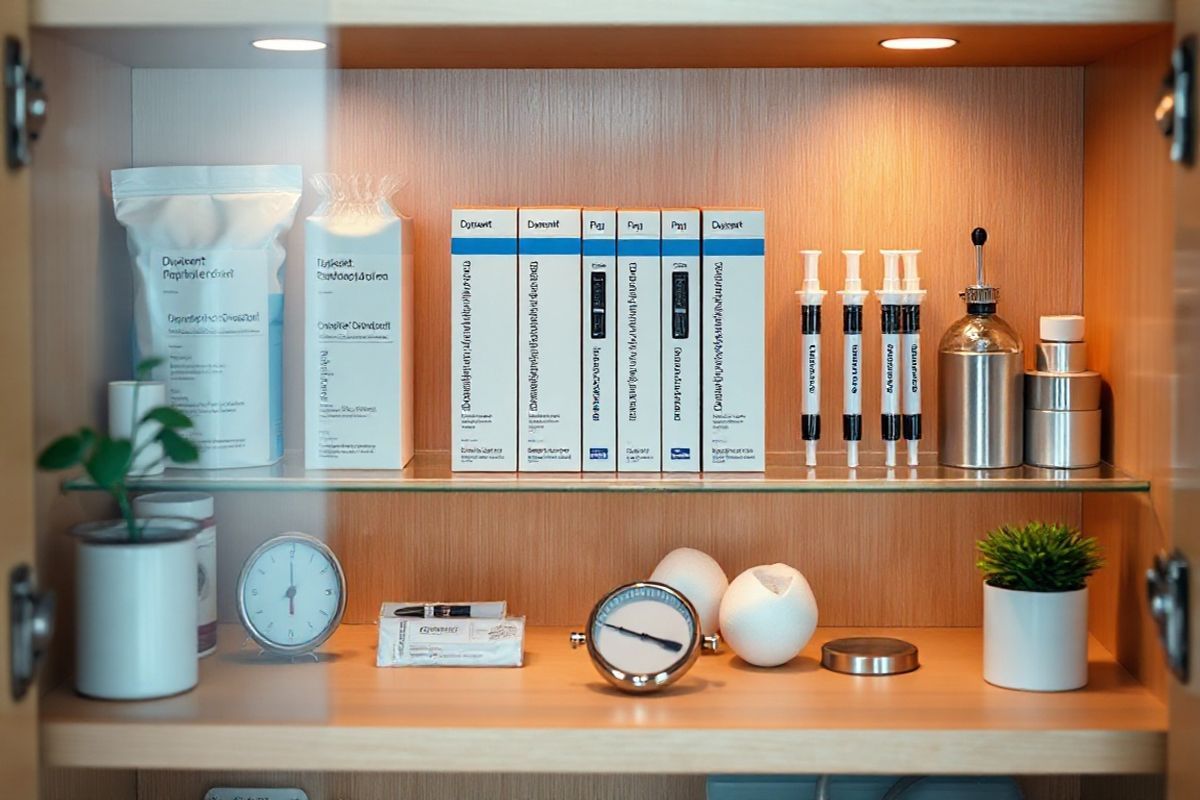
(1038,557)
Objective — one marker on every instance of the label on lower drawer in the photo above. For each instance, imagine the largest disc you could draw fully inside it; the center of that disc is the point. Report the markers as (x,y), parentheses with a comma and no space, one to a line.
(255,794)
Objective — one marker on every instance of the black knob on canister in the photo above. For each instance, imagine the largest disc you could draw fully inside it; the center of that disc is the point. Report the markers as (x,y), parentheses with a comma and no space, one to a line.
(978,237)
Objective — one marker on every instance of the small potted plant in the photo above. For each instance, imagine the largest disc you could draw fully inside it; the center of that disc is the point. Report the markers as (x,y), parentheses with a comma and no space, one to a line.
(1035,606)
(135,578)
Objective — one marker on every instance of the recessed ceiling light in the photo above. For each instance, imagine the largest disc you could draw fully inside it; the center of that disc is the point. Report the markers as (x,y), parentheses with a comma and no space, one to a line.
(919,43)
(289,45)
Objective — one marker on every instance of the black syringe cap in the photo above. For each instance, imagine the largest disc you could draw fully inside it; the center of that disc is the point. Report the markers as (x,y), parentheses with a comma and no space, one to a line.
(978,237)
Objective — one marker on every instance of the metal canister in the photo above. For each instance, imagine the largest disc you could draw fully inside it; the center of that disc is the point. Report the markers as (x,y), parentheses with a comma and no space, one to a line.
(981,372)
(980,423)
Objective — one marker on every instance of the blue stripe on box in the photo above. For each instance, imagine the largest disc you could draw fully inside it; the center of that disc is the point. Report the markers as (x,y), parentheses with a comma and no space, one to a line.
(638,247)
(483,246)
(549,246)
(733,247)
(681,247)
(599,247)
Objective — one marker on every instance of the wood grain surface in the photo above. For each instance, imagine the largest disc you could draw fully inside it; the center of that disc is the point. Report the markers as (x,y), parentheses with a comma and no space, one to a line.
(82,291)
(18,539)
(1129,304)
(838,158)
(878,560)
(555,714)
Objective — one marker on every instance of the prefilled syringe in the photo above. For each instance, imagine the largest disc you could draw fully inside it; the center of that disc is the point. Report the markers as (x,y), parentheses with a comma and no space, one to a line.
(890,298)
(852,326)
(810,298)
(910,330)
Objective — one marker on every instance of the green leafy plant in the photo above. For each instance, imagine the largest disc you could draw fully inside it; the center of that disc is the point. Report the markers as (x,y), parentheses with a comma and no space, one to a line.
(1038,557)
(107,461)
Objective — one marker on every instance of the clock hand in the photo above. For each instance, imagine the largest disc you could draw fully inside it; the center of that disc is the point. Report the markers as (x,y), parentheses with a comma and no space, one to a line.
(290,594)
(666,644)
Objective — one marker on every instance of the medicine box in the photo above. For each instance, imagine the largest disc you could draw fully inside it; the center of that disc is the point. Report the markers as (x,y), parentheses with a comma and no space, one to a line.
(680,340)
(732,348)
(548,265)
(599,352)
(639,439)
(483,339)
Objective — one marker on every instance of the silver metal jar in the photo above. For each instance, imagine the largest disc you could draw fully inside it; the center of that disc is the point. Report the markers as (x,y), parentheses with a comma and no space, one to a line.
(981,373)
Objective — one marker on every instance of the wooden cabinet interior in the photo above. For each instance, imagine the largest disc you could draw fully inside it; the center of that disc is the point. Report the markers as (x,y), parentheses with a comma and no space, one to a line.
(1060,163)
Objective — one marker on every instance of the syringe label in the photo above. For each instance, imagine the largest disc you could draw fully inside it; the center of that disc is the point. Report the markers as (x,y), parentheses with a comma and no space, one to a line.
(852,319)
(890,392)
(810,319)
(911,326)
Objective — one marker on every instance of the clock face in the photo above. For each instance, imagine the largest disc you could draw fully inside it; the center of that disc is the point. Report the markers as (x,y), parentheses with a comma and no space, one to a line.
(645,629)
(291,593)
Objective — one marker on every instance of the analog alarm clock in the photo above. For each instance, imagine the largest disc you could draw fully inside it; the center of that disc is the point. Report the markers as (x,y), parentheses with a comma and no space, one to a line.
(291,594)
(643,636)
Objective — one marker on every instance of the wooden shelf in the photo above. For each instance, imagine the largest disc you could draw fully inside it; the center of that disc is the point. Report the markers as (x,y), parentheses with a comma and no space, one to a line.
(430,472)
(624,33)
(556,715)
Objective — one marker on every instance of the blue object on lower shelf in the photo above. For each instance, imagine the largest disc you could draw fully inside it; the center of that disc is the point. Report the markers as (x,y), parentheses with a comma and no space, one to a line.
(852,787)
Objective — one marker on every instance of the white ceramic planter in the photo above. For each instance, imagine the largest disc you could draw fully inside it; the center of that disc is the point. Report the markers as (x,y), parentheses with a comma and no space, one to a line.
(1035,641)
(135,612)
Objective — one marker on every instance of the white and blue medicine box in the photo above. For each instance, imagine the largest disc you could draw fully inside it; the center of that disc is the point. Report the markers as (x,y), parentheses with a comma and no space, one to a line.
(483,339)
(549,246)
(599,351)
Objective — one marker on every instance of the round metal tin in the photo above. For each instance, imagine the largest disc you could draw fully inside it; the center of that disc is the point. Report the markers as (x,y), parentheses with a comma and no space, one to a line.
(869,655)
(1052,391)
(1062,357)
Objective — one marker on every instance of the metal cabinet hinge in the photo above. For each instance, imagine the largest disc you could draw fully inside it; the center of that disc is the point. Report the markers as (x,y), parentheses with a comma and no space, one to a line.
(31,625)
(1175,112)
(24,106)
(1167,587)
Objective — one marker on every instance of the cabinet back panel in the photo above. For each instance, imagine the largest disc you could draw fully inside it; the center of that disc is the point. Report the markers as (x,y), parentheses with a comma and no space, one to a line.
(839,158)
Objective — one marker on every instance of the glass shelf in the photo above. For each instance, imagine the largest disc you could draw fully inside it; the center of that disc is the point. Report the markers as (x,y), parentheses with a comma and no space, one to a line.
(430,472)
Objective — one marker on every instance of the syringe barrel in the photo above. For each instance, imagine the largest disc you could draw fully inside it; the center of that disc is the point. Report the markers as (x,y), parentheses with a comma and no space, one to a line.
(852,372)
(890,363)
(911,324)
(810,359)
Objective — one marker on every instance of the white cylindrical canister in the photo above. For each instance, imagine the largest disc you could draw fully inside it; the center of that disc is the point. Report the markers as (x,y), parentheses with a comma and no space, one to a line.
(200,508)
(134,603)
(123,417)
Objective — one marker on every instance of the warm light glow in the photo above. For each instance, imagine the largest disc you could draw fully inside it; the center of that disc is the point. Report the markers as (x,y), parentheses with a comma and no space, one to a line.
(289,45)
(918,43)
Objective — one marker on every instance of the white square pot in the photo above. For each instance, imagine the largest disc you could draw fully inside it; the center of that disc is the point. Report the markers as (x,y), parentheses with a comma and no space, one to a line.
(1035,641)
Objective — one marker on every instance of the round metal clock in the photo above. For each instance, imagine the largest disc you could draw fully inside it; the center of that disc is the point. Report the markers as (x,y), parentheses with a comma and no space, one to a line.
(643,636)
(291,594)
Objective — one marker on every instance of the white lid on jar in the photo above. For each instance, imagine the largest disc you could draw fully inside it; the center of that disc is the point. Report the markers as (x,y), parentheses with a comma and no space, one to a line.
(1062,328)
(193,505)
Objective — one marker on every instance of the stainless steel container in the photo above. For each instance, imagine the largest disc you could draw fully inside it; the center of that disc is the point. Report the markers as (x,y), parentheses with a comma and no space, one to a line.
(1061,357)
(1062,391)
(1062,406)
(981,374)
(1067,439)
(979,402)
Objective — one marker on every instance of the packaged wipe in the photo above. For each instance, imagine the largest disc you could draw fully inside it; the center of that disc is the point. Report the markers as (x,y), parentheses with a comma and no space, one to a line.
(409,642)
(358,329)
(208,297)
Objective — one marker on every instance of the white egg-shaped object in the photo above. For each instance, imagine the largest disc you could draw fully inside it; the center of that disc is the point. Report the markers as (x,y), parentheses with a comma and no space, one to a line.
(768,615)
(699,578)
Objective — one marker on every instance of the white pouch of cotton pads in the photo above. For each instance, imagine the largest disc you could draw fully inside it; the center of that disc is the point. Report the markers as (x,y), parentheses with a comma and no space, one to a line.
(208,297)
